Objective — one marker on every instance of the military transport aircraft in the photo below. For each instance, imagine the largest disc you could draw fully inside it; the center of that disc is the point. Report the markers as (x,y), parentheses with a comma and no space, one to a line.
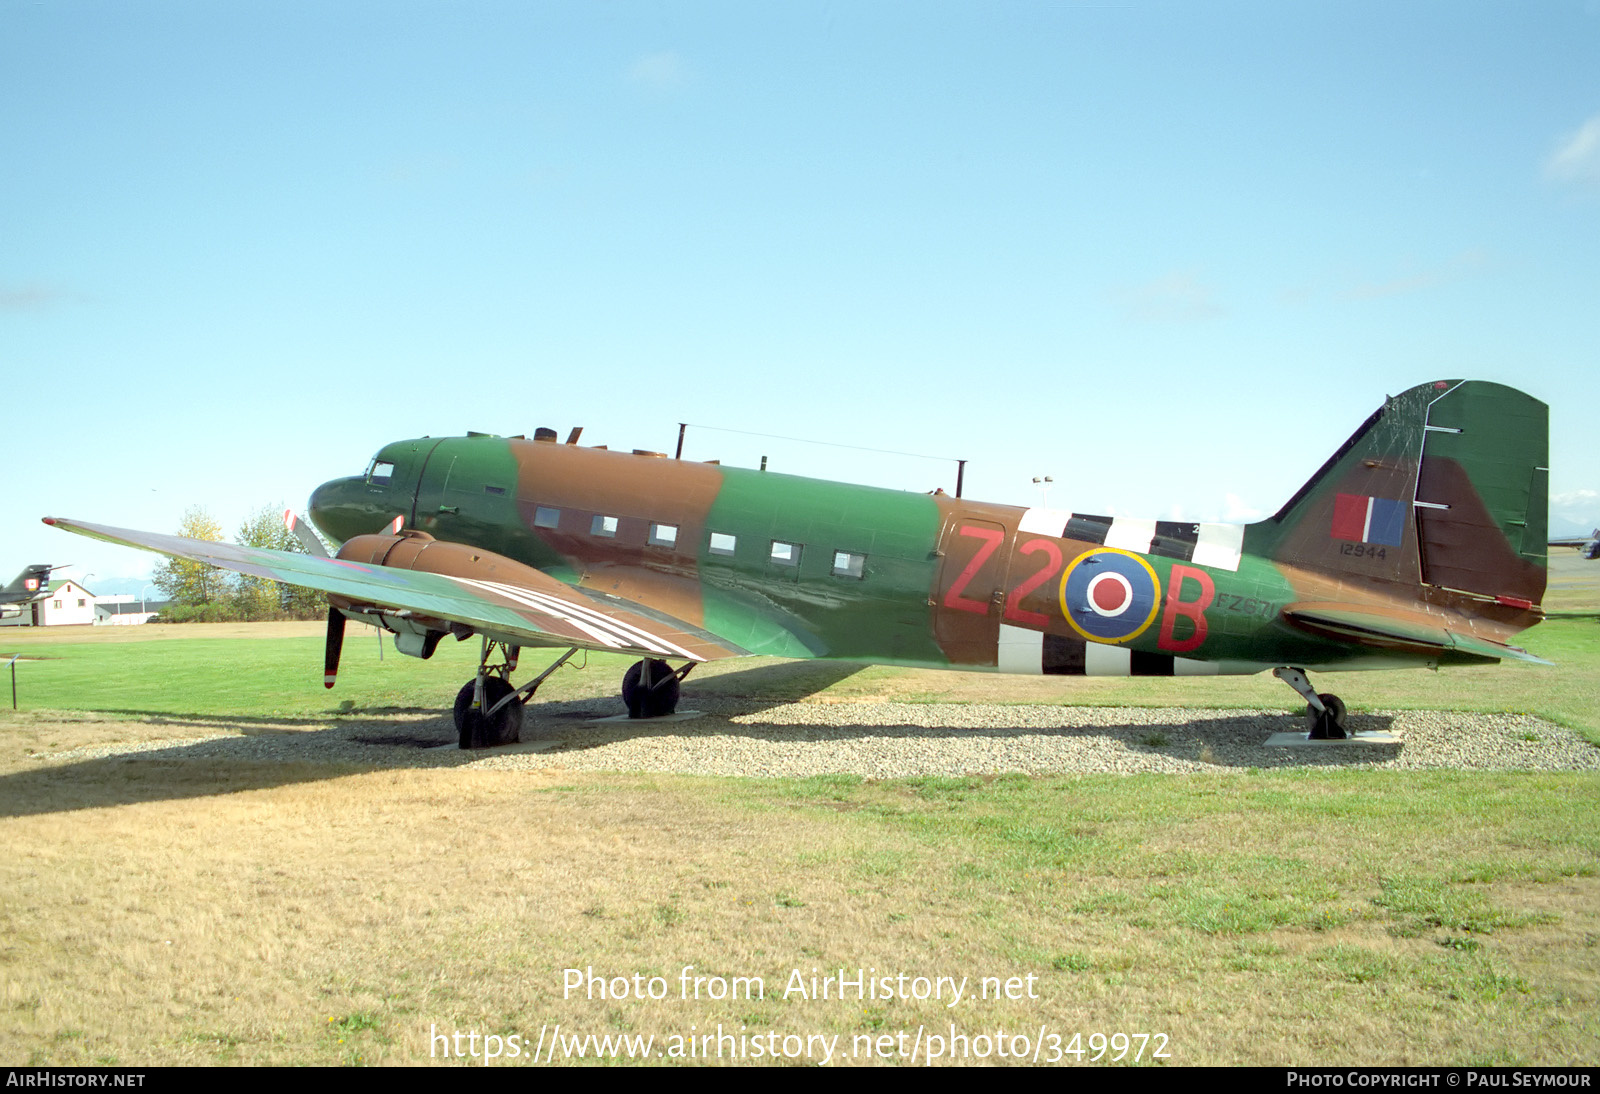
(26,585)
(1420,542)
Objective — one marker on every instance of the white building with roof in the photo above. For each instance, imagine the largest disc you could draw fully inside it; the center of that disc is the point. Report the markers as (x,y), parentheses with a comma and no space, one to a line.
(64,603)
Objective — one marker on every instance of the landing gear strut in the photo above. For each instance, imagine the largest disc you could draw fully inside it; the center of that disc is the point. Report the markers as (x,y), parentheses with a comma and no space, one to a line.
(650,688)
(1324,712)
(488,709)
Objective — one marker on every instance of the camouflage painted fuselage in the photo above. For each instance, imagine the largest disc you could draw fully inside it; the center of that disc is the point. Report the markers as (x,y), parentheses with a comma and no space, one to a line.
(1420,542)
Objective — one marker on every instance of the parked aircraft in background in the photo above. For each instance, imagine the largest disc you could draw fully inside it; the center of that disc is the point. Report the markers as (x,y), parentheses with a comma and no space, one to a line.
(26,585)
(1420,542)
(1588,547)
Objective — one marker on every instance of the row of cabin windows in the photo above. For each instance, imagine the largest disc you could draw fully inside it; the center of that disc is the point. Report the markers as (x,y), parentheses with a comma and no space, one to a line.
(845,563)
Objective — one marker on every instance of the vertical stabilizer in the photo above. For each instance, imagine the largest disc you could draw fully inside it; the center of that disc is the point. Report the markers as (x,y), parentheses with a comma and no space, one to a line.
(1446,485)
(28,584)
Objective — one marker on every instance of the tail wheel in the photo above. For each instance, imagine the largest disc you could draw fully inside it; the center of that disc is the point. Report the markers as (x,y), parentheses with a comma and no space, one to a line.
(654,699)
(1328,725)
(474,729)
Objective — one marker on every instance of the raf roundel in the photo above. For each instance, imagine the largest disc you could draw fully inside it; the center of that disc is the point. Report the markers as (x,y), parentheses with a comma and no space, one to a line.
(1110,595)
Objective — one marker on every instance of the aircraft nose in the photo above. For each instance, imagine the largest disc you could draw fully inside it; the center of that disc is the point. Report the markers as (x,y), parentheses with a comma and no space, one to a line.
(339,509)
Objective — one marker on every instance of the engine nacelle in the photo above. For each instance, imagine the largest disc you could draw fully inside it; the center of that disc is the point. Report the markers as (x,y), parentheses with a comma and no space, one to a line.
(411,550)
(418,635)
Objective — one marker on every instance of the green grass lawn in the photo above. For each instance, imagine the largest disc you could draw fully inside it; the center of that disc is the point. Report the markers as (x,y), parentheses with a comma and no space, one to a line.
(274,679)
(279,679)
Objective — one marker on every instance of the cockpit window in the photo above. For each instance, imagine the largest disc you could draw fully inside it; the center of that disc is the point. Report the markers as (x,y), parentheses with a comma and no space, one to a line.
(380,472)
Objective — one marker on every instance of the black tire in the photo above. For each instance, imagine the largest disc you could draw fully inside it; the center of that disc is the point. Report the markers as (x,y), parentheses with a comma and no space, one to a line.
(651,702)
(475,731)
(1328,725)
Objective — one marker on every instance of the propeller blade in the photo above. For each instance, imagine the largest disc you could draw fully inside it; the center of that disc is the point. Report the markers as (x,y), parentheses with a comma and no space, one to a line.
(330,656)
(394,526)
(302,532)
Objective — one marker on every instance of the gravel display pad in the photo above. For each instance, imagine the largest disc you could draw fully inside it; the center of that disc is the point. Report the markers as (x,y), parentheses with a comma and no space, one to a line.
(883,740)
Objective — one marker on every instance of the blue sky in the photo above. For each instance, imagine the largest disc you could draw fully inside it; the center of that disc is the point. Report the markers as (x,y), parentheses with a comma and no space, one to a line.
(1169,254)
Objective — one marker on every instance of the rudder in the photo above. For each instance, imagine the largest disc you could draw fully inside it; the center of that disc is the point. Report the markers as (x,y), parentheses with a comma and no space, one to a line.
(1483,492)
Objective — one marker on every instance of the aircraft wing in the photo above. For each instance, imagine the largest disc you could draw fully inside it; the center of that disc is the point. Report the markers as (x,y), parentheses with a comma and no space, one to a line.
(538,610)
(1386,632)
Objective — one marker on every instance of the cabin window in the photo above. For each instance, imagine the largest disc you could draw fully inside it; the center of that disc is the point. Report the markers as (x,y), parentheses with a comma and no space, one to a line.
(546,517)
(497,491)
(722,543)
(663,535)
(380,472)
(848,564)
(785,554)
(603,526)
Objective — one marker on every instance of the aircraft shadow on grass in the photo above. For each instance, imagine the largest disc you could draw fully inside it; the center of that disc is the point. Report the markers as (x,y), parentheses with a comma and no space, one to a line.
(198,720)
(770,684)
(392,738)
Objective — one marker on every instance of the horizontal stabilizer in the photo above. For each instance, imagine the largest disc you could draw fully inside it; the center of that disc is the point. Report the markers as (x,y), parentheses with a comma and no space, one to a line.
(1391,633)
(1473,644)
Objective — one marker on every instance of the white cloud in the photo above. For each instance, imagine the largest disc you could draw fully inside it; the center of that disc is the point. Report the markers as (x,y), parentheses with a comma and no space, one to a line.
(659,71)
(1175,298)
(1461,266)
(1576,507)
(1236,511)
(1578,159)
(21,298)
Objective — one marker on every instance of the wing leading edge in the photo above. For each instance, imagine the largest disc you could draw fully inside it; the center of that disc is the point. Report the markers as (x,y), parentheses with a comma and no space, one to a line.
(535,610)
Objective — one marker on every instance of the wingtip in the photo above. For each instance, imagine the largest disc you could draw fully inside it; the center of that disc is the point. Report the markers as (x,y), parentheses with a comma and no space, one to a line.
(49,520)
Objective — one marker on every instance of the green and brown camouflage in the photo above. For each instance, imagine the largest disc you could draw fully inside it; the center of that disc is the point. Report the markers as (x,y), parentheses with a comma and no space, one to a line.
(1420,542)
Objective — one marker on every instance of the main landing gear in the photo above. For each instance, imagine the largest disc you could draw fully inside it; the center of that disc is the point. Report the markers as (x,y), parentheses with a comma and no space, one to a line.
(650,688)
(488,709)
(1324,712)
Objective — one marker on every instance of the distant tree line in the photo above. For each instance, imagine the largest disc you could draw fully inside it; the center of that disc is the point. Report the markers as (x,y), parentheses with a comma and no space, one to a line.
(204,594)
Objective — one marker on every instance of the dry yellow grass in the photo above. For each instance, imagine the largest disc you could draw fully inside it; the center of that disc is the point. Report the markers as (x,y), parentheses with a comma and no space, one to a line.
(166,913)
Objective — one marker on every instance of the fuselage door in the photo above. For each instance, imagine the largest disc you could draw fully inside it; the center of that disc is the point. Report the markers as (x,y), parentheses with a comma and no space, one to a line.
(970,590)
(468,493)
